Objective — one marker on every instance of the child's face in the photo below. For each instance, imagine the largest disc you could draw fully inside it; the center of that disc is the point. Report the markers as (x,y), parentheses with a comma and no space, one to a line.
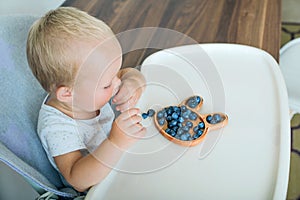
(97,79)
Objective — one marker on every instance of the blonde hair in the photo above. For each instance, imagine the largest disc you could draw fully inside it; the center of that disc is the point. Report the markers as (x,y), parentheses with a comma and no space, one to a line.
(49,51)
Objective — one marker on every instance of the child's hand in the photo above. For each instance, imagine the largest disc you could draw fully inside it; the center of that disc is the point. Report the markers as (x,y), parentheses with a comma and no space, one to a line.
(129,93)
(126,129)
(133,84)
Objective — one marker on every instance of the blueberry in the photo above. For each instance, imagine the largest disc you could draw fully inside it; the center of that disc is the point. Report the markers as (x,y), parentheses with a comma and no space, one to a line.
(181,119)
(192,116)
(161,121)
(180,131)
(183,108)
(144,115)
(188,134)
(160,114)
(151,112)
(195,136)
(186,114)
(198,99)
(172,133)
(199,132)
(217,118)
(208,118)
(189,124)
(175,115)
(195,129)
(173,123)
(165,113)
(169,110)
(185,128)
(201,125)
(192,102)
(175,128)
(213,121)
(169,118)
(176,109)
(168,131)
(184,137)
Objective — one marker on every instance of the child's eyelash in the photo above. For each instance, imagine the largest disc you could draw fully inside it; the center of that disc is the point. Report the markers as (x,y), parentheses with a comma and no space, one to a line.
(106,87)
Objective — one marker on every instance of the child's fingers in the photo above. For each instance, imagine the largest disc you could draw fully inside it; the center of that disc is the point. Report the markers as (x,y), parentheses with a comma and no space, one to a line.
(134,119)
(122,96)
(141,133)
(129,113)
(135,128)
(122,107)
(128,104)
(136,131)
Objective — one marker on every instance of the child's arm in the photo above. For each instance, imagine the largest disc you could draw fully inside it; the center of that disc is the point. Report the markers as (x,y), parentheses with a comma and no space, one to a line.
(133,84)
(84,172)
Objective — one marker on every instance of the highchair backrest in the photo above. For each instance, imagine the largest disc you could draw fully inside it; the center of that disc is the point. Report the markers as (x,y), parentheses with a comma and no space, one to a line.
(21,98)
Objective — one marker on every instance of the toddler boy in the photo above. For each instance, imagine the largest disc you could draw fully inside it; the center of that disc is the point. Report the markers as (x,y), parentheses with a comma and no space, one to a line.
(77,59)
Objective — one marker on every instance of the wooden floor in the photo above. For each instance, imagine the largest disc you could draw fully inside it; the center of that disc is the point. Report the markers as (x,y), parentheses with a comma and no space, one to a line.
(251,22)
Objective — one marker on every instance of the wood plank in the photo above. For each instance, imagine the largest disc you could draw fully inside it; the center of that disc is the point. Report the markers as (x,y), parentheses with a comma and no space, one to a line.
(272,33)
(250,22)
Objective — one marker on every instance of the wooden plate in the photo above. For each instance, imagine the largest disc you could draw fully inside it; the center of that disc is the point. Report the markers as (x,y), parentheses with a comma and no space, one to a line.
(193,139)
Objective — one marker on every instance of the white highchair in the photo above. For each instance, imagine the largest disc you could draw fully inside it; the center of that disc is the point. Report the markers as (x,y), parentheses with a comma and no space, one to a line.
(247,159)
(290,66)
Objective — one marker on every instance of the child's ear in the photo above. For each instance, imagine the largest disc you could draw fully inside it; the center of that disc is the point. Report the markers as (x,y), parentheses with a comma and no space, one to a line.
(64,94)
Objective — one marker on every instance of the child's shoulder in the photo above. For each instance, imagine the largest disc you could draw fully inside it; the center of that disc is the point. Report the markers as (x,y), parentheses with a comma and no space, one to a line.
(51,115)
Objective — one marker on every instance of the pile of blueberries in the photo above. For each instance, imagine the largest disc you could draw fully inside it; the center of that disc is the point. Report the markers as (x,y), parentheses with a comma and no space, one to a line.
(181,122)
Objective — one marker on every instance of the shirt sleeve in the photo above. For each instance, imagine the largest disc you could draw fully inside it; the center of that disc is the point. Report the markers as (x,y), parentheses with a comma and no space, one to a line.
(61,138)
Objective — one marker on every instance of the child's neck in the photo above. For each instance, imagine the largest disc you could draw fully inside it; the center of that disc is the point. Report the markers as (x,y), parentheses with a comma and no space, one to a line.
(69,111)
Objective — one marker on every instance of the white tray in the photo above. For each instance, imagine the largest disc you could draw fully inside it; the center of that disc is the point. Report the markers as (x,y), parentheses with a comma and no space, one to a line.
(247,159)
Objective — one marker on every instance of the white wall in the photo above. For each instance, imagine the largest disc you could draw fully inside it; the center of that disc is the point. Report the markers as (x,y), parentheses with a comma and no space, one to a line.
(35,7)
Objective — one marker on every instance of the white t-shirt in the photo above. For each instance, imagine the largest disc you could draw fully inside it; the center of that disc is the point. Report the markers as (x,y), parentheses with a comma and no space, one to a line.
(60,134)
